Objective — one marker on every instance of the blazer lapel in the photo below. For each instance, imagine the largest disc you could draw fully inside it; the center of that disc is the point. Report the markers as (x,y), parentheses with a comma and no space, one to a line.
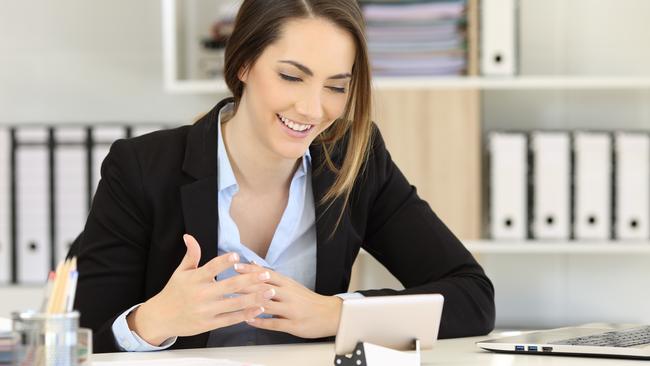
(199,198)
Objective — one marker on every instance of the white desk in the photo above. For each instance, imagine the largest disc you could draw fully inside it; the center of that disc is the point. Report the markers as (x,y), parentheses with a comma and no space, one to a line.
(456,352)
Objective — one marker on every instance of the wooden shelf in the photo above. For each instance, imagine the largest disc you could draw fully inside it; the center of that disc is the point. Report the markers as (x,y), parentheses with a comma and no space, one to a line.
(557,247)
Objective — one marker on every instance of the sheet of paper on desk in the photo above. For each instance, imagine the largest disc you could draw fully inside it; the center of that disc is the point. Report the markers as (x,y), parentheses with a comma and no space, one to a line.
(175,362)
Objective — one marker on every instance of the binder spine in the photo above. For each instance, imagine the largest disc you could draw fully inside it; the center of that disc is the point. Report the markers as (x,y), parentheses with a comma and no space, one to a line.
(52,191)
(13,211)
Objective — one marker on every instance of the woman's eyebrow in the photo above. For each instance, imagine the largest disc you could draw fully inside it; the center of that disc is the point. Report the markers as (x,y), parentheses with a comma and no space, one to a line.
(307,71)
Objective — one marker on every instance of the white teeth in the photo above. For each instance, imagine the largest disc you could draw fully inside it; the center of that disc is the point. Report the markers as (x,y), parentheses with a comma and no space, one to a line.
(293,125)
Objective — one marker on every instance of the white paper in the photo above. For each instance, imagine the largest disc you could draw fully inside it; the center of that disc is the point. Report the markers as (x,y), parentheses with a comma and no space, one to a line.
(176,361)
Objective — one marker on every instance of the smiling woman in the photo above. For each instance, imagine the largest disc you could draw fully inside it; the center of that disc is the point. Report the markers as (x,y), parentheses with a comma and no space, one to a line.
(243,228)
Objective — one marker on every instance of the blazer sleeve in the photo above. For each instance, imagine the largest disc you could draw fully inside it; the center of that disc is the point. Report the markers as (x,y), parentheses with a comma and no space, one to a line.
(409,239)
(112,253)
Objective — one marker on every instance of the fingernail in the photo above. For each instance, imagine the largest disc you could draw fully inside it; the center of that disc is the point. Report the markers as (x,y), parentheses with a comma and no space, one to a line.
(185,238)
(234,257)
(269,294)
(259,311)
(238,266)
(264,276)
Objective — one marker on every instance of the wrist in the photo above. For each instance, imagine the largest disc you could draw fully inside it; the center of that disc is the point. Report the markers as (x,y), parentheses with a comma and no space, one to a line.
(335,313)
(142,321)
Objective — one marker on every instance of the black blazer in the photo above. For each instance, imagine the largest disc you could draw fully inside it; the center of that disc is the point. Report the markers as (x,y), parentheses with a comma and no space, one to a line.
(156,187)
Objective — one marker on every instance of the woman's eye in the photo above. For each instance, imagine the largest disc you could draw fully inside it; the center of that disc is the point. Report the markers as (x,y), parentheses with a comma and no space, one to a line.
(337,90)
(289,78)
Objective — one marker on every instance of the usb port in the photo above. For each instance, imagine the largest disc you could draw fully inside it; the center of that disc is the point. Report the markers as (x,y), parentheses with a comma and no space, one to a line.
(547,349)
(519,348)
(532,348)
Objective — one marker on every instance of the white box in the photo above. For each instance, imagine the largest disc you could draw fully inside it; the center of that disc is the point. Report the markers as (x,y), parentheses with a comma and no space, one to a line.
(593,185)
(5,206)
(71,189)
(508,185)
(551,217)
(632,185)
(33,244)
(498,52)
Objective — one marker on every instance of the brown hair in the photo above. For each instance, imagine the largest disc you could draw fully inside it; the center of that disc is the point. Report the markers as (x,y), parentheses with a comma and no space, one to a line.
(258,24)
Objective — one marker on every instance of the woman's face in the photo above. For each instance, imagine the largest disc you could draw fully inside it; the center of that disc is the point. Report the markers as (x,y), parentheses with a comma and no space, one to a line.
(299,85)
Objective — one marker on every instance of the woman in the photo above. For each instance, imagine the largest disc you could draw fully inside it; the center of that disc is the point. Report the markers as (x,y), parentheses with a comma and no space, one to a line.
(242,228)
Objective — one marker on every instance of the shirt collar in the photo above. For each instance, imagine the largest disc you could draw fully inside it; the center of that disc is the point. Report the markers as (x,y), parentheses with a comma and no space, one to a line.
(226,177)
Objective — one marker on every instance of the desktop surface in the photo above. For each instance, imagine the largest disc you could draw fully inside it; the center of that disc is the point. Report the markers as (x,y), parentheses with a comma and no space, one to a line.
(457,352)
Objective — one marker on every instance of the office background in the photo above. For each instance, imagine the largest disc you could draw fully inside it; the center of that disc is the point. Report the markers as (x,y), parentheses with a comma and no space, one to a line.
(75,61)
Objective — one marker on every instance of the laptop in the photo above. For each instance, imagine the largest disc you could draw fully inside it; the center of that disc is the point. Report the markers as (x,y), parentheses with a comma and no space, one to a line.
(615,341)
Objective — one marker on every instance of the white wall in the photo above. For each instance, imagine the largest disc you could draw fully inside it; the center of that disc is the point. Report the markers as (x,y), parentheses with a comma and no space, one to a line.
(87,61)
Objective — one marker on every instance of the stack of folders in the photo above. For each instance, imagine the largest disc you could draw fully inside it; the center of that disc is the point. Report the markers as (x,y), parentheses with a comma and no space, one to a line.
(583,185)
(416,37)
(48,176)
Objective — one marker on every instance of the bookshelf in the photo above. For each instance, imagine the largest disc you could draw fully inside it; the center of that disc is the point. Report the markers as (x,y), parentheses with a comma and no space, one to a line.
(453,83)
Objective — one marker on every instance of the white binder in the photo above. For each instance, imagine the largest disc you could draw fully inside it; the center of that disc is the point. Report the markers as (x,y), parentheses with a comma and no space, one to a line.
(593,185)
(508,185)
(5,206)
(632,185)
(33,244)
(103,137)
(498,37)
(70,177)
(551,185)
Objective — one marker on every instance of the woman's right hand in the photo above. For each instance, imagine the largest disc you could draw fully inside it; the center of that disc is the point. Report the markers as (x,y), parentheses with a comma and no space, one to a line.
(193,302)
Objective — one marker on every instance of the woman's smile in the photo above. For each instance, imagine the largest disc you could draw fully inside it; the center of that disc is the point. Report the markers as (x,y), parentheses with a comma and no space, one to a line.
(294,129)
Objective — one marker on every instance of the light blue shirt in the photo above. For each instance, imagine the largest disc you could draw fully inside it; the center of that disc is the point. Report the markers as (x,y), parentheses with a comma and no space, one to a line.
(292,251)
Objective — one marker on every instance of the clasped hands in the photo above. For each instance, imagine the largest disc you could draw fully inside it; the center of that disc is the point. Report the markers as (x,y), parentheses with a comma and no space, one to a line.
(193,302)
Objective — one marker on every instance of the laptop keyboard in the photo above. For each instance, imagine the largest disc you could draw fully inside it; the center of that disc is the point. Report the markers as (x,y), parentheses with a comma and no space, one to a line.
(618,338)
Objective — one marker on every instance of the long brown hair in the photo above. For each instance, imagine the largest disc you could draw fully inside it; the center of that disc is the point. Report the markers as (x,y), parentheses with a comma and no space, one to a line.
(258,24)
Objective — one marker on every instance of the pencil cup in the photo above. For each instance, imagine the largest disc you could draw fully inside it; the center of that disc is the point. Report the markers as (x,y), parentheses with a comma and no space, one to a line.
(47,339)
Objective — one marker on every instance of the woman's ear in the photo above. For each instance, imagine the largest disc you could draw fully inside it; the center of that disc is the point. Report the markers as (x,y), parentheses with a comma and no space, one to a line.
(242,75)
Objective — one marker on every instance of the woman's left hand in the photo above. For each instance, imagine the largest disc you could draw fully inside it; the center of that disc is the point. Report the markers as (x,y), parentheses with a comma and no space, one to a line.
(295,309)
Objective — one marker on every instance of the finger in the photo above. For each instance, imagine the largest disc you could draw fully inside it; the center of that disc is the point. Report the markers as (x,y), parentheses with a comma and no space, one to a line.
(255,288)
(219,264)
(276,278)
(192,255)
(248,268)
(278,308)
(227,319)
(256,299)
(234,284)
(279,325)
